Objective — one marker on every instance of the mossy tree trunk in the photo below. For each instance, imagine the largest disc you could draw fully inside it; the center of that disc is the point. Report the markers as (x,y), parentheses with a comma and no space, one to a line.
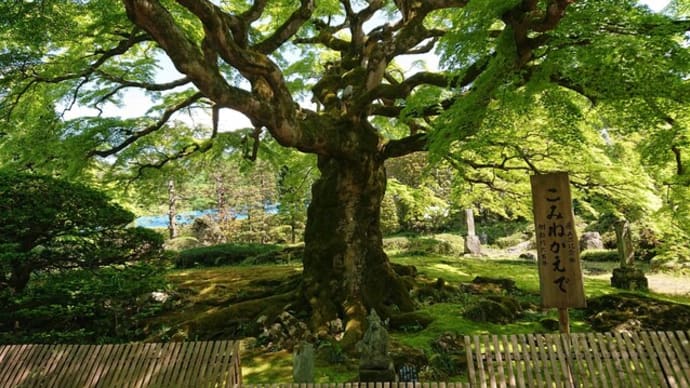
(346,271)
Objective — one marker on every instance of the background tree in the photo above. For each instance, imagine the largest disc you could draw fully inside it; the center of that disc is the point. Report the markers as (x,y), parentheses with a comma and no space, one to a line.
(263,59)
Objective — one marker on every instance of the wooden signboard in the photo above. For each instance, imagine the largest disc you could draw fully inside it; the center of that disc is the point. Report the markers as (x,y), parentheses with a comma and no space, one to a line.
(560,275)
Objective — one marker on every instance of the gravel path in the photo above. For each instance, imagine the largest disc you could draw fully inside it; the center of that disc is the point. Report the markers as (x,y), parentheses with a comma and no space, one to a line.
(669,284)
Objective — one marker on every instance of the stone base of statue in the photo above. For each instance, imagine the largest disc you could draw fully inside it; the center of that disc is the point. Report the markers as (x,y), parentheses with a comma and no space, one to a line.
(629,278)
(377,375)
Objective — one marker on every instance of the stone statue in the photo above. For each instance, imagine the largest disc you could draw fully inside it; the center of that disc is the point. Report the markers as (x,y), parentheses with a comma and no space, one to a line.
(375,364)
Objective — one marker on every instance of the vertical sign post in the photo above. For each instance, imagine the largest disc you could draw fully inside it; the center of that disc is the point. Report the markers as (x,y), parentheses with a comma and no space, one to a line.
(560,274)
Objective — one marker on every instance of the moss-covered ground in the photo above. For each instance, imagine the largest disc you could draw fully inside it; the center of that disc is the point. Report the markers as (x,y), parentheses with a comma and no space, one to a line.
(204,292)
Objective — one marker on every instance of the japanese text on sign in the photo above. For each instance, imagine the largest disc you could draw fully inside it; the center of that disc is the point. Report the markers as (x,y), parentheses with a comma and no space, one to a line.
(560,275)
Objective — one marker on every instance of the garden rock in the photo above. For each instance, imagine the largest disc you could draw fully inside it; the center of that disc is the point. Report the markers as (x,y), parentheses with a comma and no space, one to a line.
(591,240)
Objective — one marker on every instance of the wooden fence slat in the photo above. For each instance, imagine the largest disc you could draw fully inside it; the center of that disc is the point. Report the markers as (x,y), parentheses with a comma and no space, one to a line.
(552,355)
(221,358)
(529,357)
(156,365)
(508,359)
(470,361)
(108,365)
(7,362)
(70,366)
(544,359)
(91,367)
(211,364)
(205,373)
(480,362)
(130,368)
(13,363)
(194,362)
(117,365)
(139,365)
(180,363)
(237,363)
(167,375)
(663,357)
(86,365)
(626,359)
(105,362)
(124,365)
(594,351)
(562,344)
(606,358)
(29,374)
(684,339)
(615,357)
(498,352)
(229,353)
(650,363)
(83,372)
(684,358)
(670,353)
(638,355)
(490,355)
(657,368)
(24,369)
(587,376)
(57,358)
(520,364)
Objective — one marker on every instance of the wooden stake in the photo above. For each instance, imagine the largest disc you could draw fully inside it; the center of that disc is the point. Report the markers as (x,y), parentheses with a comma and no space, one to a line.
(564,320)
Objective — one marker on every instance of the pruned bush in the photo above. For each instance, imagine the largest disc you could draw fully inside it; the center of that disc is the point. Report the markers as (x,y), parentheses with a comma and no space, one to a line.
(48,224)
(440,244)
(600,255)
(181,243)
(107,304)
(223,254)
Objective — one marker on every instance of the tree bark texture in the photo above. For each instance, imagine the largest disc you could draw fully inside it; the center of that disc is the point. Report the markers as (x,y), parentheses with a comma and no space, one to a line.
(346,271)
(172,209)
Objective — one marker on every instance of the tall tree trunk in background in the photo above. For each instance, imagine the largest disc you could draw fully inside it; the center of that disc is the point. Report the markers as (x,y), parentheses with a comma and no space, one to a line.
(346,271)
(172,211)
(220,199)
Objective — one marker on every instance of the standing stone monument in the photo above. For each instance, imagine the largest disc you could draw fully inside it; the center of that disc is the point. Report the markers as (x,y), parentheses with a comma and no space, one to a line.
(303,364)
(375,364)
(627,277)
(472,242)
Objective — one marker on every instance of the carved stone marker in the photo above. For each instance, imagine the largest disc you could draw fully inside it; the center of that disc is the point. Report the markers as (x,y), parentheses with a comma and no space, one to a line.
(627,277)
(303,364)
(626,253)
(375,364)
(472,242)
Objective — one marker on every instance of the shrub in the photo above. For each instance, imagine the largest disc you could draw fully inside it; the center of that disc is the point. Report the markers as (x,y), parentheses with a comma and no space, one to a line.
(600,255)
(46,224)
(223,254)
(108,304)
